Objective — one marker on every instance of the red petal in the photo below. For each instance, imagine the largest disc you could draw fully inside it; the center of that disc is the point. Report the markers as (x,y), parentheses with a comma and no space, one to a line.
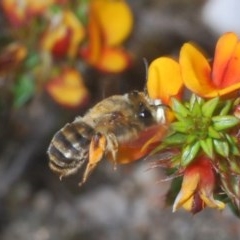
(225,48)
(232,75)
(113,60)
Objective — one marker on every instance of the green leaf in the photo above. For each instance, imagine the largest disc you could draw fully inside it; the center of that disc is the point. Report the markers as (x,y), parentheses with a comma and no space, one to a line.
(227,107)
(224,122)
(175,139)
(178,107)
(196,109)
(214,133)
(207,147)
(221,147)
(55,9)
(32,60)
(235,165)
(195,99)
(173,191)
(209,107)
(234,208)
(179,117)
(233,143)
(192,101)
(23,90)
(189,153)
(191,138)
(82,10)
(182,127)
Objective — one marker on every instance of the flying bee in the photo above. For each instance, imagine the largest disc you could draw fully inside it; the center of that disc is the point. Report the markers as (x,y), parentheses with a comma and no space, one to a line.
(121,128)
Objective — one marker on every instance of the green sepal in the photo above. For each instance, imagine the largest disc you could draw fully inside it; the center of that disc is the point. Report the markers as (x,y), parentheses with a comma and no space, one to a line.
(178,107)
(209,107)
(221,147)
(224,122)
(207,147)
(189,153)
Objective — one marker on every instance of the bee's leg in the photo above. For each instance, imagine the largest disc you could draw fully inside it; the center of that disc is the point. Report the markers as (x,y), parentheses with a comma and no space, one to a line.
(96,152)
(112,147)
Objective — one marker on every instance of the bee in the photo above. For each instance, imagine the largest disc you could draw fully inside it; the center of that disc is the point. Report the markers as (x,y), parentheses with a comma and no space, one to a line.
(120,128)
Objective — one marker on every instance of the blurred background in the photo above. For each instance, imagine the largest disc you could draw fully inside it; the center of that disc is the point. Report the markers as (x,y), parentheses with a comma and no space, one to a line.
(57,59)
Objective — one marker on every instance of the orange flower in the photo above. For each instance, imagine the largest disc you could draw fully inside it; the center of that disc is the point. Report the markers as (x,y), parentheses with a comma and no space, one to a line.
(222,78)
(110,23)
(68,88)
(12,55)
(164,79)
(64,35)
(19,12)
(197,187)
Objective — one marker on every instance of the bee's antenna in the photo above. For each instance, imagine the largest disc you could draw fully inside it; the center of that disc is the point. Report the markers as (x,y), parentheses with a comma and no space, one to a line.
(145,62)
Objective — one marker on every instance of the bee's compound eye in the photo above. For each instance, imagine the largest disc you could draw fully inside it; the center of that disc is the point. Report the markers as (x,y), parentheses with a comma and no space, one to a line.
(144,112)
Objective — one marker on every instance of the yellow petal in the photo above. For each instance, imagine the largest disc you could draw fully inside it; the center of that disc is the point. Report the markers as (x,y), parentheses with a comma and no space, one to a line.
(38,7)
(164,79)
(211,202)
(113,60)
(224,91)
(196,71)
(65,36)
(115,18)
(188,188)
(188,204)
(225,48)
(68,89)
(77,29)
(50,38)
(92,51)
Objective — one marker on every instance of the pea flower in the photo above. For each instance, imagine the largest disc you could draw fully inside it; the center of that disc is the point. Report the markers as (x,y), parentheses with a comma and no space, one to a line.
(164,79)
(19,12)
(11,57)
(204,147)
(197,188)
(220,79)
(67,88)
(109,24)
(64,34)
(202,142)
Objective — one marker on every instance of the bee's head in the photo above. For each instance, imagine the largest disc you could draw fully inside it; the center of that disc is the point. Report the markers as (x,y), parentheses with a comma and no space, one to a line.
(147,109)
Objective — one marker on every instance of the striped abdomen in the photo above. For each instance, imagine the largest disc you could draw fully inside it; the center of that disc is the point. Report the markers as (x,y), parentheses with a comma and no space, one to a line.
(69,147)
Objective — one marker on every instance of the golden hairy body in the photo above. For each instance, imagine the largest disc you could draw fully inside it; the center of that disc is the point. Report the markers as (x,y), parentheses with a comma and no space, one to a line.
(115,128)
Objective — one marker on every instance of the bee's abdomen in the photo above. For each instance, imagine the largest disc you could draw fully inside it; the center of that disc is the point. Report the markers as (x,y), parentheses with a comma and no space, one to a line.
(69,148)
